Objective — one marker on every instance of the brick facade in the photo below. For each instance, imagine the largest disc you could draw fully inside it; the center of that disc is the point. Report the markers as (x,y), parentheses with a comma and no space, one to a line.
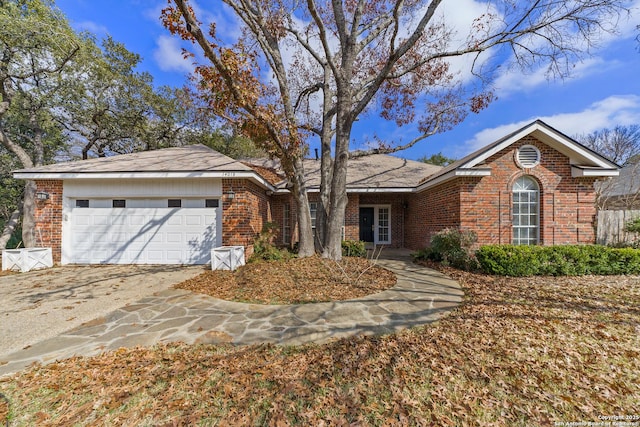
(243,216)
(484,204)
(431,211)
(49,218)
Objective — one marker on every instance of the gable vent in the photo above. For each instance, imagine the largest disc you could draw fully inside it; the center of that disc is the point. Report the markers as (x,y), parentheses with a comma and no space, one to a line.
(528,156)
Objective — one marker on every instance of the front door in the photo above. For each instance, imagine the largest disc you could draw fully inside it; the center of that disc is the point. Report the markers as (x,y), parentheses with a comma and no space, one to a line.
(366,224)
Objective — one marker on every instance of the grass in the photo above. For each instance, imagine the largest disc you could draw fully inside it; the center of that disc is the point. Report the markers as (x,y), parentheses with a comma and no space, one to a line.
(517,352)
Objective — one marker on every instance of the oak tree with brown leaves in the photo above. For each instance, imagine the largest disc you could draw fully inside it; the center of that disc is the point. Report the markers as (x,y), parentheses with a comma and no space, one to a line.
(312,68)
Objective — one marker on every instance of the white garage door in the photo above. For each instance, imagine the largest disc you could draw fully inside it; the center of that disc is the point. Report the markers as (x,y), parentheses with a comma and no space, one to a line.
(131,232)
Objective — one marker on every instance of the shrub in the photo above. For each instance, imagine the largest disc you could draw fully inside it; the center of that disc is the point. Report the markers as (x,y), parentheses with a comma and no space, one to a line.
(569,260)
(632,226)
(353,248)
(509,260)
(263,247)
(451,247)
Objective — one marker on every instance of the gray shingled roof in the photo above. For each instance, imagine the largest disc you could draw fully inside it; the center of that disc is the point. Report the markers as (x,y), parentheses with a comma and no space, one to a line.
(377,171)
(627,183)
(190,158)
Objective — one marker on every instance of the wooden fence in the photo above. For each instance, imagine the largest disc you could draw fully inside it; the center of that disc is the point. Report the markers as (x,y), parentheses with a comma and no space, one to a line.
(611,226)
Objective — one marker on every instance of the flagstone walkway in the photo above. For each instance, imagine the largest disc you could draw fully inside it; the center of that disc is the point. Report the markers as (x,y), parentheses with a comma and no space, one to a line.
(420,296)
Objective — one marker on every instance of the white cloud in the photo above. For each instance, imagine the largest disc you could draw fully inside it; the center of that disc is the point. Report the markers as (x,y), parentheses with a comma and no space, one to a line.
(153,12)
(168,55)
(459,16)
(92,27)
(612,111)
(508,83)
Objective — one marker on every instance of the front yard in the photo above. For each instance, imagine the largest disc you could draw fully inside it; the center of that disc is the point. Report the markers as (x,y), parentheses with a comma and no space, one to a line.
(531,351)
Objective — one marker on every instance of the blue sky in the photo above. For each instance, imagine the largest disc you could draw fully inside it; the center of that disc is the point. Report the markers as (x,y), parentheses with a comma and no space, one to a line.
(604,91)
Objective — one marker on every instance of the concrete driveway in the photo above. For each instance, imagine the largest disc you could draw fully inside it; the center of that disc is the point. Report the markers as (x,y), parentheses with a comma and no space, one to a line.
(42,304)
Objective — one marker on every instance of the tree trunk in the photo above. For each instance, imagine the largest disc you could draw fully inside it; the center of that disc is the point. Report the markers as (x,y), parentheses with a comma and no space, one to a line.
(338,196)
(338,202)
(10,227)
(29,215)
(305,233)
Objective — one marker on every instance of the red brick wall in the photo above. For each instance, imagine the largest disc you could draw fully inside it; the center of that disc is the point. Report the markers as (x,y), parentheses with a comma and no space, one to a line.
(49,218)
(244,216)
(399,214)
(431,211)
(352,214)
(567,205)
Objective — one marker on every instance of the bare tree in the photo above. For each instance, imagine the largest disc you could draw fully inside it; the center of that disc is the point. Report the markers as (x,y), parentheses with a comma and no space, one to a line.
(330,62)
(620,144)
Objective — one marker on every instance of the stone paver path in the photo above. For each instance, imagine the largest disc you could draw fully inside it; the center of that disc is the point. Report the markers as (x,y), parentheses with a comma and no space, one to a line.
(420,296)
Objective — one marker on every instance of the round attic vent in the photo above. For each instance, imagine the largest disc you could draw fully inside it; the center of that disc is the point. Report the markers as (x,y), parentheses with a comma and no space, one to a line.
(528,156)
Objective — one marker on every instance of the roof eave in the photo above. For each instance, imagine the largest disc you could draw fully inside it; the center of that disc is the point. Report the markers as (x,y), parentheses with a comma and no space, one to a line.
(579,172)
(250,175)
(456,173)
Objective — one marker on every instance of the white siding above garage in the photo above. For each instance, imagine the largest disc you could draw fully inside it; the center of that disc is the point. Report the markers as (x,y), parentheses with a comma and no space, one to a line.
(142,188)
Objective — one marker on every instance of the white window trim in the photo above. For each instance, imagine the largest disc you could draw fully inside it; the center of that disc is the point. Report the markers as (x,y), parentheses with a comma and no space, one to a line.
(314,218)
(376,226)
(538,226)
(286,223)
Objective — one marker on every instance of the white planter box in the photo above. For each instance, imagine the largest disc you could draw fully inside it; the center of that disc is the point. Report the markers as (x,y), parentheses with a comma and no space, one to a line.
(227,257)
(26,259)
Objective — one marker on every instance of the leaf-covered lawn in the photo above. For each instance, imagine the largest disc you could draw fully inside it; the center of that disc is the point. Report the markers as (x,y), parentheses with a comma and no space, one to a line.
(296,281)
(534,351)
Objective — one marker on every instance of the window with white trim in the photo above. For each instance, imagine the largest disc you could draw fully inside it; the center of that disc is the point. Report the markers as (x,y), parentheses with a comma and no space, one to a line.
(526,211)
(286,223)
(383,225)
(313,211)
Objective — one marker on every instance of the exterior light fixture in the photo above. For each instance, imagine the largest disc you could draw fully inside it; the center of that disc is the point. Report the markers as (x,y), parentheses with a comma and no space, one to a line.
(230,194)
(42,195)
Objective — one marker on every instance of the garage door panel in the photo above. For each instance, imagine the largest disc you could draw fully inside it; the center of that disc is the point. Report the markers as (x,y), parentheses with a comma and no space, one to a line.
(194,220)
(173,237)
(83,220)
(174,220)
(119,219)
(100,219)
(137,220)
(141,235)
(81,237)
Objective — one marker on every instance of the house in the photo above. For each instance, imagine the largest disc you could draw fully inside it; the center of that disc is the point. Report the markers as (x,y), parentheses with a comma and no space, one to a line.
(534,186)
(621,192)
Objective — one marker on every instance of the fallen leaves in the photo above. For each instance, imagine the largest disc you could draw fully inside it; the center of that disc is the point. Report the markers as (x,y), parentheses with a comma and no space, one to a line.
(4,409)
(534,351)
(296,281)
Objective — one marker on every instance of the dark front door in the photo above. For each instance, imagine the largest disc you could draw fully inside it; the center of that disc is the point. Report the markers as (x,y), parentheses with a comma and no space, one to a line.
(366,224)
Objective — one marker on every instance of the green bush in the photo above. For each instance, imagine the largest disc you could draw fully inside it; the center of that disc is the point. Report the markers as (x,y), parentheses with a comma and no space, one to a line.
(632,226)
(451,247)
(353,248)
(427,254)
(569,260)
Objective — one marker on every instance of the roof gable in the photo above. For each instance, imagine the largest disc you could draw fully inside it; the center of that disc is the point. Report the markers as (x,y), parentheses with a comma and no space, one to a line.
(584,161)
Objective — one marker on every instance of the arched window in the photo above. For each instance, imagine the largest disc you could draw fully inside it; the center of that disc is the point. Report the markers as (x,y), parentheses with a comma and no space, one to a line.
(526,212)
